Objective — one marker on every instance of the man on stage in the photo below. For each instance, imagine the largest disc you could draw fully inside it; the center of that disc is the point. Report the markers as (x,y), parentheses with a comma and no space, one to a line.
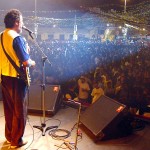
(14,88)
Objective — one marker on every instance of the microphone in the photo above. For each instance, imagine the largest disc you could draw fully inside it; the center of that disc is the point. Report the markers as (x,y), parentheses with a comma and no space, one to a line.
(25,28)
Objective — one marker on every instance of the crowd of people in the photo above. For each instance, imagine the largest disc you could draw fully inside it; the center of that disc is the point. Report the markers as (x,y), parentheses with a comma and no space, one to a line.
(87,69)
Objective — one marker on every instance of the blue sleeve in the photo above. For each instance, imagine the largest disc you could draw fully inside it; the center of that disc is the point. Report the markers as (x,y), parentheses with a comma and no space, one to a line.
(19,45)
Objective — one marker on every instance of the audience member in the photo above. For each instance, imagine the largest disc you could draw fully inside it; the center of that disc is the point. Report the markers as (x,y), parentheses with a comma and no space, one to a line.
(97,92)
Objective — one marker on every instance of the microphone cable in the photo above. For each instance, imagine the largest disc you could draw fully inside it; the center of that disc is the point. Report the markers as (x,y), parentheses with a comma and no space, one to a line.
(32,134)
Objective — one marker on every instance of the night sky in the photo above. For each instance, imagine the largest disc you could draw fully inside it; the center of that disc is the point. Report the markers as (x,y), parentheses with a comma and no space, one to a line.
(60,4)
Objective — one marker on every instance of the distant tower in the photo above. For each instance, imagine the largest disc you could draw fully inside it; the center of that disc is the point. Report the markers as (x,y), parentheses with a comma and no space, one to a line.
(75,36)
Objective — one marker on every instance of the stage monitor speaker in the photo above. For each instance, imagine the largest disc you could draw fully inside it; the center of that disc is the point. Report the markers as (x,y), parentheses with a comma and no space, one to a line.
(52,99)
(103,118)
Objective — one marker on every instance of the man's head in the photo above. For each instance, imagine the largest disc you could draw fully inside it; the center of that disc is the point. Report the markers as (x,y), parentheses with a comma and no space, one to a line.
(14,20)
(82,78)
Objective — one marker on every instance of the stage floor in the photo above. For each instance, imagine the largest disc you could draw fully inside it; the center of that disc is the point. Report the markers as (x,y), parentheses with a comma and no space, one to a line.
(67,117)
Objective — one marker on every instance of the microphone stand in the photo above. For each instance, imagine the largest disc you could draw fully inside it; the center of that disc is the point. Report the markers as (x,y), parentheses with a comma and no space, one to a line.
(68,144)
(44,58)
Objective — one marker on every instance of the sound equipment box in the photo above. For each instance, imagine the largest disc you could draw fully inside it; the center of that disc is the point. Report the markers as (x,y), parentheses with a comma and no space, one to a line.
(52,99)
(104,119)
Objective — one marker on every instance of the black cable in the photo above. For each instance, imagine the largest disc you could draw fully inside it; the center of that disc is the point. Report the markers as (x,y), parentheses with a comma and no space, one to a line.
(54,134)
(79,134)
(74,126)
(32,134)
(67,145)
(70,145)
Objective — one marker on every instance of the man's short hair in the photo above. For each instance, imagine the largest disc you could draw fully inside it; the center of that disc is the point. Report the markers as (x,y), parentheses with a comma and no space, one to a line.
(11,17)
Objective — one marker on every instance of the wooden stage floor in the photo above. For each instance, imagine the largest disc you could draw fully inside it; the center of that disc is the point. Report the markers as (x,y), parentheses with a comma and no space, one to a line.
(66,118)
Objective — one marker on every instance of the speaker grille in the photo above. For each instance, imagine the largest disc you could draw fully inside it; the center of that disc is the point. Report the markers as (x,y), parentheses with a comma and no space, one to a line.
(52,98)
(100,114)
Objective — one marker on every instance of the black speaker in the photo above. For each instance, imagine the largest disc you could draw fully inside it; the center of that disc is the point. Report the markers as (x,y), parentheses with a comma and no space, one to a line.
(104,118)
(52,99)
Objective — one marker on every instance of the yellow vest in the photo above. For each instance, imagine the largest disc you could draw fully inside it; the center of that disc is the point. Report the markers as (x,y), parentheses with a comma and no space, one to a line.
(5,66)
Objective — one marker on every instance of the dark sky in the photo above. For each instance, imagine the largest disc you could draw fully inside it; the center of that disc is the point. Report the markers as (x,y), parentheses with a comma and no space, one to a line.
(58,4)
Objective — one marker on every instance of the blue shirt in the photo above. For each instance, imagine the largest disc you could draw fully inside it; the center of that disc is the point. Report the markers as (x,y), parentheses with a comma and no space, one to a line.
(19,45)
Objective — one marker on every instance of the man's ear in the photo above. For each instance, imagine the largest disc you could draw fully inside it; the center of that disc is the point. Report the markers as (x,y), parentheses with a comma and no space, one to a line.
(17,23)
